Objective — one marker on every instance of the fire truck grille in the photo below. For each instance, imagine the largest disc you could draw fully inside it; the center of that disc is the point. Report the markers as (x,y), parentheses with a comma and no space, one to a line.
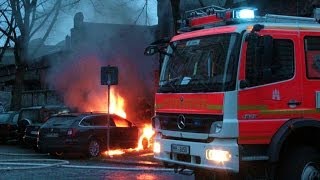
(193,123)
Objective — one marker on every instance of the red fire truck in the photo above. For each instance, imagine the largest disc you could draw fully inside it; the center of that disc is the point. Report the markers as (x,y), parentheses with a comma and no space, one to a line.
(238,90)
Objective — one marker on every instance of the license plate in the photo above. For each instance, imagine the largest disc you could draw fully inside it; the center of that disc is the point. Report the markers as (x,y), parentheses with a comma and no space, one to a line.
(180,149)
(34,132)
(53,135)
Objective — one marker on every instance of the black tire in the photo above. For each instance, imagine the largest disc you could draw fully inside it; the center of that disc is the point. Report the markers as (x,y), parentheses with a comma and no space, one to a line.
(94,148)
(300,164)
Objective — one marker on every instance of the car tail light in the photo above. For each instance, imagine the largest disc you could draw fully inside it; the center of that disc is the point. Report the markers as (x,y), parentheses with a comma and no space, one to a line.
(72,132)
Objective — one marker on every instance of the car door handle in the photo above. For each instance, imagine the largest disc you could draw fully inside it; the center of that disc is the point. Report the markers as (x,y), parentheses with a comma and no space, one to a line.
(294,103)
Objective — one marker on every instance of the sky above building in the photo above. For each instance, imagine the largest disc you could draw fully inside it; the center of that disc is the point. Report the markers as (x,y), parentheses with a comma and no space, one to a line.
(141,12)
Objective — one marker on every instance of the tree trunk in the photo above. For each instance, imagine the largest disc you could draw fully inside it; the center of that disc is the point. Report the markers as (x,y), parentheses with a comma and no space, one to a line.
(175,6)
(20,54)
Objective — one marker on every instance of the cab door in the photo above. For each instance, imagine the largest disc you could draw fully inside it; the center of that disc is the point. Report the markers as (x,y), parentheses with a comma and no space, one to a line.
(270,89)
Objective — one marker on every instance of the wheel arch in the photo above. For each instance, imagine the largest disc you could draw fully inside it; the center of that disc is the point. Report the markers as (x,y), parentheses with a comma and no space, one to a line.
(293,132)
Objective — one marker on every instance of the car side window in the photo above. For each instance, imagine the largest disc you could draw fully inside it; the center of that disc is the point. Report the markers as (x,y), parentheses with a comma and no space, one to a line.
(281,67)
(105,119)
(15,118)
(86,122)
(99,121)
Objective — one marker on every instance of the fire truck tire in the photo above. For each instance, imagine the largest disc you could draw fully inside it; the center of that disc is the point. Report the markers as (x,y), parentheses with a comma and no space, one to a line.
(301,163)
(94,148)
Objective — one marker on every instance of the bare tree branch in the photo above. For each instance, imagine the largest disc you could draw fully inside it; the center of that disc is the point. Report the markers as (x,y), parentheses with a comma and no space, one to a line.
(33,4)
(145,5)
(57,9)
(17,14)
(33,31)
(201,3)
(95,7)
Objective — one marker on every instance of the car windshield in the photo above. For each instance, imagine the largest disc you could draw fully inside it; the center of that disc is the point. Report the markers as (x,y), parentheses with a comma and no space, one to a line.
(60,121)
(206,64)
(4,117)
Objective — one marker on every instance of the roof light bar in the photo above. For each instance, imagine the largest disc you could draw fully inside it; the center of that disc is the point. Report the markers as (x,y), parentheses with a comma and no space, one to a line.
(216,16)
(244,13)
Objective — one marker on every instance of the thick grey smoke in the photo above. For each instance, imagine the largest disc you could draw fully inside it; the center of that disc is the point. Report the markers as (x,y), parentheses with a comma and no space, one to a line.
(93,45)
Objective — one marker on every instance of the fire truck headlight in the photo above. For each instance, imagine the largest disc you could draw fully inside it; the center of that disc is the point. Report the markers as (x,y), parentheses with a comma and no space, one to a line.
(245,13)
(218,156)
(216,127)
(156,147)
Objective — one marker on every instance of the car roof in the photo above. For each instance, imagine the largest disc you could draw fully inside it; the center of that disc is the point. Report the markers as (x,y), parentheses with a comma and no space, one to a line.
(10,112)
(45,107)
(87,114)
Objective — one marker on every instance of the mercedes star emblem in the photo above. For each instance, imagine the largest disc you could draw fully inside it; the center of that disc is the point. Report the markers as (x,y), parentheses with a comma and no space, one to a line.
(181,122)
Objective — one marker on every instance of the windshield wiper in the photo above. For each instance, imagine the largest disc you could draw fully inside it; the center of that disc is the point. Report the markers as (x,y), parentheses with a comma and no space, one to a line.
(200,81)
(171,83)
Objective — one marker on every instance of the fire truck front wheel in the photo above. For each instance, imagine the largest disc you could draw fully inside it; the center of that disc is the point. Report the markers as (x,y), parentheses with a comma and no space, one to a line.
(301,163)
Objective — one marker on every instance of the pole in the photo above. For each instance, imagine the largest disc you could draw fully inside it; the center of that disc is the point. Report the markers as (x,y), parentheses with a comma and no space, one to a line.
(108,115)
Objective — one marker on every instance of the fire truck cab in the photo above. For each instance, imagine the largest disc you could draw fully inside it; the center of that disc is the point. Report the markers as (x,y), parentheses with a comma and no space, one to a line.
(240,89)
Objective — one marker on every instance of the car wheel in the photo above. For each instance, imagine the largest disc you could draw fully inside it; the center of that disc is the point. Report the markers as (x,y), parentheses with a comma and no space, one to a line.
(301,163)
(94,148)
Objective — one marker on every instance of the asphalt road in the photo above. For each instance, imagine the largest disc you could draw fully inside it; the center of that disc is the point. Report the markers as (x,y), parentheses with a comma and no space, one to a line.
(130,166)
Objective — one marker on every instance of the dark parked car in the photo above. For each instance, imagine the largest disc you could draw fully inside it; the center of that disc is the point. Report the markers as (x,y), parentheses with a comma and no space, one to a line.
(36,116)
(8,125)
(86,133)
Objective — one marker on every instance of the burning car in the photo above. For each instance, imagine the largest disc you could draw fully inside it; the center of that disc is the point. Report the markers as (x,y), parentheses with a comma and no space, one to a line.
(86,133)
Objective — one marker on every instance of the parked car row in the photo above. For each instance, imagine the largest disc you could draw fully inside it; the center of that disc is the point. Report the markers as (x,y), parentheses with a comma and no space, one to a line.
(32,118)
(13,124)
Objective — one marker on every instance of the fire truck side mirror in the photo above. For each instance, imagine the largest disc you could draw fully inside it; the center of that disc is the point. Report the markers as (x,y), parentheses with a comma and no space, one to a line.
(151,50)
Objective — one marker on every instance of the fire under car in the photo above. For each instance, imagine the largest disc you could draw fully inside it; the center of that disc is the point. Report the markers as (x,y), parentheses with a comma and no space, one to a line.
(86,133)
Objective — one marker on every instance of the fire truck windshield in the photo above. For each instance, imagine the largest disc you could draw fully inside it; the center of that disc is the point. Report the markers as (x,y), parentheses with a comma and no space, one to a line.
(206,64)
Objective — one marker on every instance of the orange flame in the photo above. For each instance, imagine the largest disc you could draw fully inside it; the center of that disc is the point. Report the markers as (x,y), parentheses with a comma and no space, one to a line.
(117,104)
(147,134)
(114,152)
